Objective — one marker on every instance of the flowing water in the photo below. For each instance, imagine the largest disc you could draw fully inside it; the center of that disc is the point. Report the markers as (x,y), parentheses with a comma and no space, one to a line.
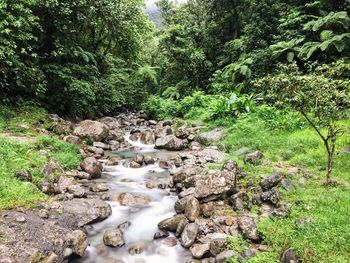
(143,219)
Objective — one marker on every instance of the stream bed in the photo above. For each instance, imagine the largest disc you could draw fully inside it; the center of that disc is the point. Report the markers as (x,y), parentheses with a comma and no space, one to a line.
(142,219)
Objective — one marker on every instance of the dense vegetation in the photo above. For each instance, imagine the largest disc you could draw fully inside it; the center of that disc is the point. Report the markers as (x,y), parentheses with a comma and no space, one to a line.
(274,74)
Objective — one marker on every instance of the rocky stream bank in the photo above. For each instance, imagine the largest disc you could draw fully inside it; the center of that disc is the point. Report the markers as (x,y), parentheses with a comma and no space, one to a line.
(146,191)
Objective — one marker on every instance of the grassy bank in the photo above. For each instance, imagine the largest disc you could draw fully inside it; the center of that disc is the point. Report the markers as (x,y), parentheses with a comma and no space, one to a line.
(24,148)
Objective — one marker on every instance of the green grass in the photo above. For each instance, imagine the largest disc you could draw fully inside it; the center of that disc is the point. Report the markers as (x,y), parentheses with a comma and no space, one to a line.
(326,238)
(30,156)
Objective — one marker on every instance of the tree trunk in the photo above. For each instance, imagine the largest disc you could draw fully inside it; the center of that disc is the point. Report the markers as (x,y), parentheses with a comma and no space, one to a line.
(329,170)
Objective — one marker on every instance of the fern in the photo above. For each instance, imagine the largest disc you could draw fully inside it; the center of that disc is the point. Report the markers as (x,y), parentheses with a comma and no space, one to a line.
(329,21)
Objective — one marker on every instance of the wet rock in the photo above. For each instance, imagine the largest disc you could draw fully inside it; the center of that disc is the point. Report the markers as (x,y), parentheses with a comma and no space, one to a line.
(192,209)
(92,167)
(161,234)
(170,242)
(151,185)
(132,199)
(224,256)
(72,139)
(138,159)
(170,224)
(113,237)
(290,256)
(187,192)
(78,174)
(86,211)
(271,181)
(76,190)
(180,204)
(98,187)
(248,227)
(164,164)
(94,130)
(134,164)
(199,250)
(113,160)
(170,142)
(77,241)
(211,136)
(253,157)
(189,235)
(101,145)
(116,136)
(148,159)
(180,227)
(271,196)
(136,248)
(147,137)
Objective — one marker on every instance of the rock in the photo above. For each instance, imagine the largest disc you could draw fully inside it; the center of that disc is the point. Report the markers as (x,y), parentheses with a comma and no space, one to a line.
(113,160)
(112,123)
(192,209)
(181,226)
(224,256)
(161,131)
(76,190)
(21,219)
(151,185)
(98,187)
(170,224)
(289,256)
(249,253)
(189,235)
(148,159)
(147,137)
(215,183)
(180,205)
(271,181)
(87,211)
(170,142)
(170,242)
(271,196)
(113,237)
(92,167)
(77,241)
(24,176)
(287,185)
(218,244)
(253,157)
(136,248)
(72,139)
(248,227)
(188,192)
(132,199)
(161,234)
(215,135)
(237,201)
(138,159)
(44,214)
(164,164)
(182,132)
(241,151)
(94,130)
(134,164)
(51,168)
(78,174)
(199,250)
(101,145)
(207,209)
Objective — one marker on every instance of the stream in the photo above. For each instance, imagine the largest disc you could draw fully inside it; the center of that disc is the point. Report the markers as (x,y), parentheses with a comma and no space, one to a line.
(143,219)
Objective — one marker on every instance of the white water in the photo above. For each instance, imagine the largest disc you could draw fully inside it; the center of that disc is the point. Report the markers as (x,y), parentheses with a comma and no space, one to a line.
(143,219)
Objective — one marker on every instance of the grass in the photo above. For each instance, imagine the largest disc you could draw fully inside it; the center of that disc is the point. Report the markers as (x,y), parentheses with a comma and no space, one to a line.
(325,239)
(30,156)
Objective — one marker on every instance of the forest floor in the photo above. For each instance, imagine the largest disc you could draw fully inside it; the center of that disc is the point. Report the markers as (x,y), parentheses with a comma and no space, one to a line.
(317,227)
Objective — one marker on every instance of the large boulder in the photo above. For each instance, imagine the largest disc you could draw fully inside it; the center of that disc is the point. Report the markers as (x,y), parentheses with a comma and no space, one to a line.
(77,242)
(92,167)
(171,224)
(147,137)
(192,209)
(216,183)
(199,250)
(94,130)
(132,199)
(215,135)
(170,142)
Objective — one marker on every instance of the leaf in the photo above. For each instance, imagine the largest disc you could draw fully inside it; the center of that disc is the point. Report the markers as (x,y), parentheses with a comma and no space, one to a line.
(290,56)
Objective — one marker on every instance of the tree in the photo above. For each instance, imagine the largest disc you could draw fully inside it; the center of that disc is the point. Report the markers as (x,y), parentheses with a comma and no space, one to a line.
(322,96)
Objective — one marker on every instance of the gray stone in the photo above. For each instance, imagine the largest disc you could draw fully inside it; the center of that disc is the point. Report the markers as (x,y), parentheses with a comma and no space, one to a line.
(189,235)
(113,237)
(94,130)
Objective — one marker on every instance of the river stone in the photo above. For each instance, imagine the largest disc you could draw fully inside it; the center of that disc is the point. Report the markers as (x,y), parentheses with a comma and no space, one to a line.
(192,209)
(77,241)
(217,245)
(161,234)
(101,145)
(253,157)
(138,159)
(180,204)
(248,227)
(113,160)
(131,199)
(215,135)
(113,237)
(147,137)
(170,142)
(94,130)
(134,164)
(136,248)
(181,226)
(170,224)
(76,190)
(92,167)
(224,256)
(199,250)
(98,187)
(148,159)
(289,256)
(189,235)
(271,181)
(51,258)
(87,211)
